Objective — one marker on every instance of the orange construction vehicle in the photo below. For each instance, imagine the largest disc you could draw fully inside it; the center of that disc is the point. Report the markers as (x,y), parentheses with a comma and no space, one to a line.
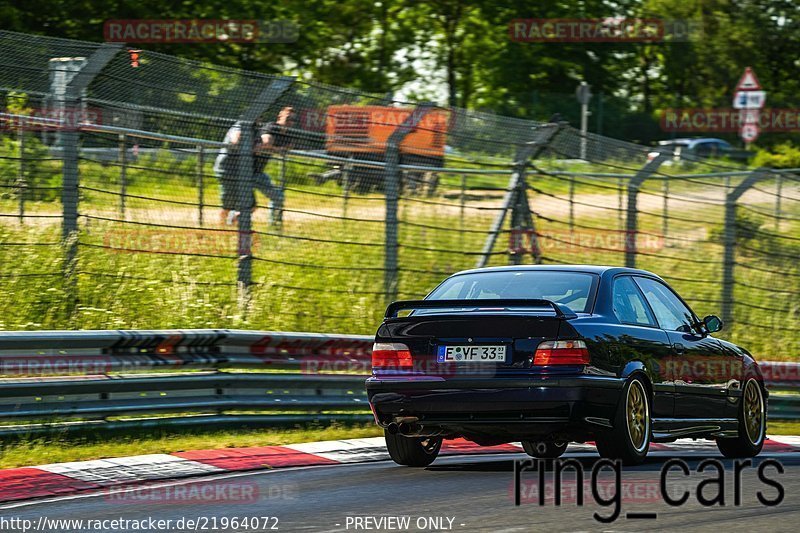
(361,133)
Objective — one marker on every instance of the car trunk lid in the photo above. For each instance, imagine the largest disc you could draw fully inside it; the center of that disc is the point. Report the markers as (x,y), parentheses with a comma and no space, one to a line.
(464,326)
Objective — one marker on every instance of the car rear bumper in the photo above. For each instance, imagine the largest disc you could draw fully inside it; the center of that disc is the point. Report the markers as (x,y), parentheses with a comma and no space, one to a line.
(501,408)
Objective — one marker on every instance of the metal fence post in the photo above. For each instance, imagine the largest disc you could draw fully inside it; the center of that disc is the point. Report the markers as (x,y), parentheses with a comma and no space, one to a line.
(462,200)
(347,172)
(516,197)
(69,197)
(778,193)
(665,212)
(244,174)
(200,183)
(22,185)
(74,91)
(392,187)
(277,208)
(521,220)
(729,241)
(123,172)
(571,204)
(244,204)
(632,219)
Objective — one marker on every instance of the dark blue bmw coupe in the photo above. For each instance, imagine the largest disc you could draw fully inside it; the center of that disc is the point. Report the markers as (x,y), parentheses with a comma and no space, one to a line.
(548,355)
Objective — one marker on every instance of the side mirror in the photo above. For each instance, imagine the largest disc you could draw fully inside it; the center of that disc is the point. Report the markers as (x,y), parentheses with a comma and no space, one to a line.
(713,323)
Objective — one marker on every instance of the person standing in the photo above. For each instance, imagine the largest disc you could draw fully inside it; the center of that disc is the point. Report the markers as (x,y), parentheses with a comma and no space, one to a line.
(268,139)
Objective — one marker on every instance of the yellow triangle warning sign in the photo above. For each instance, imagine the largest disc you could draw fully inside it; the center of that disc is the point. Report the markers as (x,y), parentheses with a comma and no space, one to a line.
(748,81)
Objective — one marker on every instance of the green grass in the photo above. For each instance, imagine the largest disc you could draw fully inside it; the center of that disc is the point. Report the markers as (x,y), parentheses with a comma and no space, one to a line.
(323,272)
(783,427)
(58,449)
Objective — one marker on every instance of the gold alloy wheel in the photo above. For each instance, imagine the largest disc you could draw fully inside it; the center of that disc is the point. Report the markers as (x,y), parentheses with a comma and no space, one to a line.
(637,416)
(753,412)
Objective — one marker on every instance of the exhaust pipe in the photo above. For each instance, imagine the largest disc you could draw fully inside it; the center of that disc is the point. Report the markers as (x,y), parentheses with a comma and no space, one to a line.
(392,428)
(406,428)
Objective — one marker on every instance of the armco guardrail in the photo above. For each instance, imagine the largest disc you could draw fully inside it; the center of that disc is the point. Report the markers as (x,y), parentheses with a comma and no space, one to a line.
(782,377)
(70,380)
(29,352)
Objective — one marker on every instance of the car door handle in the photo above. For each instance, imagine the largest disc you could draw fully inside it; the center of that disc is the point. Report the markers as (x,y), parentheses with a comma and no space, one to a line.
(679,348)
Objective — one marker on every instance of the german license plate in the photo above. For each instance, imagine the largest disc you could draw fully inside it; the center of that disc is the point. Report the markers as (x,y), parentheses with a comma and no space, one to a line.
(472,354)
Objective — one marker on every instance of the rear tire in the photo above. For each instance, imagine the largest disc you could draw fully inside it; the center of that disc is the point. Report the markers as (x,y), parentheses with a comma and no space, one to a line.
(412,451)
(752,424)
(544,449)
(630,439)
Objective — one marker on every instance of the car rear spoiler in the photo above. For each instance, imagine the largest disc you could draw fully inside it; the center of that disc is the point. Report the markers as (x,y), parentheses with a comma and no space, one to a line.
(561,310)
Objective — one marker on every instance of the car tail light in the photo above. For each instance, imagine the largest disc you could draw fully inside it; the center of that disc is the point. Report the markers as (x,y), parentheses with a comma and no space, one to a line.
(561,353)
(391,355)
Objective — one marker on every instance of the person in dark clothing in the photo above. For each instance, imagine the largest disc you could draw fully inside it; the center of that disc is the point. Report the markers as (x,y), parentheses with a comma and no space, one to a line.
(267,139)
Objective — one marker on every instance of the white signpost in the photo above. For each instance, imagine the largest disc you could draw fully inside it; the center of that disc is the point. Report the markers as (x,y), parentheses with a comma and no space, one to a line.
(749,132)
(584,94)
(749,99)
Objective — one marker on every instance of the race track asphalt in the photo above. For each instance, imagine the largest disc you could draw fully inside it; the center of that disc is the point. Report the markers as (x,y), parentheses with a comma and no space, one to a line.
(456,493)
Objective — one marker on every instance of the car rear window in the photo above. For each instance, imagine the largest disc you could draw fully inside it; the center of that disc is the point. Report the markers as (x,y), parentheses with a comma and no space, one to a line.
(573,289)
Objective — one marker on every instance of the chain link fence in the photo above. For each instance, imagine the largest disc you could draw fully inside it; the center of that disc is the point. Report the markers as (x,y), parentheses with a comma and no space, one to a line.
(116,210)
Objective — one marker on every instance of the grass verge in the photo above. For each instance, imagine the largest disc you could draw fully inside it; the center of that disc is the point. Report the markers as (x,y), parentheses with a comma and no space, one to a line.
(59,449)
(783,427)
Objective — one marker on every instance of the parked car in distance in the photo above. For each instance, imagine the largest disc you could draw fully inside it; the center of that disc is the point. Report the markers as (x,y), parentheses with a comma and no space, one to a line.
(700,148)
(549,355)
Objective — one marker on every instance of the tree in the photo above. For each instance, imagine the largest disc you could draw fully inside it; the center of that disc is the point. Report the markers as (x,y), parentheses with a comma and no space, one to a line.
(464,47)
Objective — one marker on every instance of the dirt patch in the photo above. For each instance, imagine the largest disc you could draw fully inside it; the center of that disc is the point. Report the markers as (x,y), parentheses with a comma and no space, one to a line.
(600,205)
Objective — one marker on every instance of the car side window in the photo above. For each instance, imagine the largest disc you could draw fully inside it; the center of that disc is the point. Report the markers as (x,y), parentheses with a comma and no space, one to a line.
(629,305)
(706,149)
(454,292)
(670,311)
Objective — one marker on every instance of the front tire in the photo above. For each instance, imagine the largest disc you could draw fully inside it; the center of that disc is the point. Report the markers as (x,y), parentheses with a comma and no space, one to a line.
(544,449)
(752,424)
(630,439)
(412,451)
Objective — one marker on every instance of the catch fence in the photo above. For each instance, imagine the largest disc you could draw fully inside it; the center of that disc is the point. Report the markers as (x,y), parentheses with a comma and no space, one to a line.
(111,209)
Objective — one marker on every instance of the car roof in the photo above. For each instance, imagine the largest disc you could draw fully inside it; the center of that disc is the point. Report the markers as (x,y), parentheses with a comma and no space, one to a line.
(589,269)
(682,142)
(689,141)
(708,140)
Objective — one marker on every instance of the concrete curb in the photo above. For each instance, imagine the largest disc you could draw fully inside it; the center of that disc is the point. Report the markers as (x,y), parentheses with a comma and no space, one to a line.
(61,479)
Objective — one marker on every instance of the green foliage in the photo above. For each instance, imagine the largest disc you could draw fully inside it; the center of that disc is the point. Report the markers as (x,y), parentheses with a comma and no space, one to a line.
(460,53)
(784,155)
(17,103)
(38,176)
